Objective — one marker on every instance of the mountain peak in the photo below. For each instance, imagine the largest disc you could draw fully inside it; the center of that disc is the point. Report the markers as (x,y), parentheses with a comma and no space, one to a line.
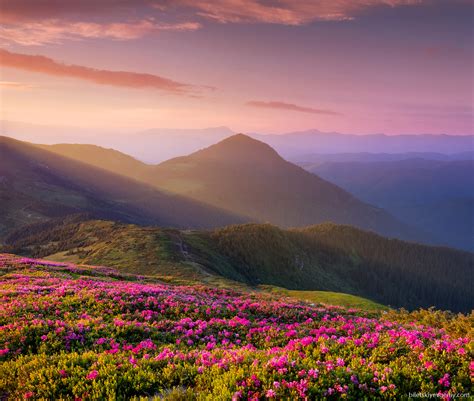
(239,147)
(240,140)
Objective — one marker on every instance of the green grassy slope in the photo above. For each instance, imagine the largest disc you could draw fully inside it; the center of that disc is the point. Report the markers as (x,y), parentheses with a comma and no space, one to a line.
(328,298)
(326,257)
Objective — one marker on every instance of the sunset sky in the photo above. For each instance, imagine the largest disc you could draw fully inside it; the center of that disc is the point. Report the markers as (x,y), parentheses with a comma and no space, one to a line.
(273,66)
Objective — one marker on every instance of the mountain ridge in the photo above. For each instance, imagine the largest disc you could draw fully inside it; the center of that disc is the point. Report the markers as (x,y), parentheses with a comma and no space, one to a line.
(247,177)
(63,185)
(159,144)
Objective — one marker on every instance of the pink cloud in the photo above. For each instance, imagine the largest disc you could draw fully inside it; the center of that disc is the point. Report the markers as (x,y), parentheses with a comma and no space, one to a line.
(56,31)
(126,79)
(288,12)
(273,11)
(290,106)
(33,22)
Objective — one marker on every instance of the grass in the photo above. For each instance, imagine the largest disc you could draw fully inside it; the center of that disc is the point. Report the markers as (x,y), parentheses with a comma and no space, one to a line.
(329,298)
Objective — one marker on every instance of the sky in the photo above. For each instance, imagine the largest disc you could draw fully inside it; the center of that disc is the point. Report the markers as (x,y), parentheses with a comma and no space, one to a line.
(270,66)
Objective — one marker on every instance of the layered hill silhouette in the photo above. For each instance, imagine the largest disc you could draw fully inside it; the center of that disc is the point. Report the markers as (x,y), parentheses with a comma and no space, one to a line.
(296,145)
(314,160)
(437,195)
(325,257)
(36,185)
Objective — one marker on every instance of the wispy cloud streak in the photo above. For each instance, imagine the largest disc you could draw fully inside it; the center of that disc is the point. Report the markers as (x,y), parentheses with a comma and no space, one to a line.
(125,79)
(15,85)
(56,31)
(290,107)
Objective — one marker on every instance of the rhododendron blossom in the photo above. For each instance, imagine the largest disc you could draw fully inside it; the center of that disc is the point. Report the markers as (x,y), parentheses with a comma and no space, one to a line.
(84,332)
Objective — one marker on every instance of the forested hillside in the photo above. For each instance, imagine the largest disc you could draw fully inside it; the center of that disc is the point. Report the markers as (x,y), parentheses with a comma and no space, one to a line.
(322,257)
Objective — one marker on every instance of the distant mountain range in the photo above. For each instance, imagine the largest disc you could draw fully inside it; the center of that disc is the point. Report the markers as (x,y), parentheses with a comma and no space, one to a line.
(324,257)
(311,160)
(433,194)
(150,146)
(248,178)
(296,145)
(160,144)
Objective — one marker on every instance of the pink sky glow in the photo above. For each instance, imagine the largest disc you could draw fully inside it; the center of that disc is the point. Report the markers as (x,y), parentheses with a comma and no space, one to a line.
(358,66)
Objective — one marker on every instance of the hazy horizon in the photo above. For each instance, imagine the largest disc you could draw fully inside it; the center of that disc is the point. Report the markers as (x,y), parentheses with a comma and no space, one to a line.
(5,130)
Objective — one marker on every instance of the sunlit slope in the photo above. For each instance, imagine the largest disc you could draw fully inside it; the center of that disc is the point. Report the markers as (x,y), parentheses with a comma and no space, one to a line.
(36,185)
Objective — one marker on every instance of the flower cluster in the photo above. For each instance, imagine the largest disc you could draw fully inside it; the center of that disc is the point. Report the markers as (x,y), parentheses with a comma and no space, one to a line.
(75,332)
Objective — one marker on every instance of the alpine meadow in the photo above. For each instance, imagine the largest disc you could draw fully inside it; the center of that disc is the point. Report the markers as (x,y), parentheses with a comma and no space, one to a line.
(236,200)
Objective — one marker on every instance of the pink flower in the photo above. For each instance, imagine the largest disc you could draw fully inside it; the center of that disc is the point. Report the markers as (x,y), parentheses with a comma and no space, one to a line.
(270,393)
(429,365)
(237,396)
(92,375)
(444,381)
